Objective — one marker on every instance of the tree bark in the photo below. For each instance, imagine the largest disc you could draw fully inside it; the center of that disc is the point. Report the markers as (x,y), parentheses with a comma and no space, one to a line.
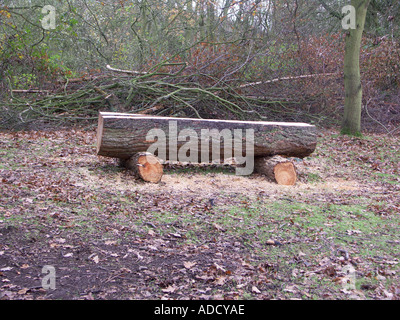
(352,79)
(277,168)
(122,135)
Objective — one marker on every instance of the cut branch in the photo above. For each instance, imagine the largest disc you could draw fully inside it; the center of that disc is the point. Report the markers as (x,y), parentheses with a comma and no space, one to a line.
(288,78)
(30,91)
(125,71)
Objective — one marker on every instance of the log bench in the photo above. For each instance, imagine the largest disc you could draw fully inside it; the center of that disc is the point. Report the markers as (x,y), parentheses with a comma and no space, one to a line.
(141,141)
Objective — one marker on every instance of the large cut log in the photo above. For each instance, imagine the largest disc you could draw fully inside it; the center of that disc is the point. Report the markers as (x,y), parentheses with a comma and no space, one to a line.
(145,166)
(277,169)
(121,135)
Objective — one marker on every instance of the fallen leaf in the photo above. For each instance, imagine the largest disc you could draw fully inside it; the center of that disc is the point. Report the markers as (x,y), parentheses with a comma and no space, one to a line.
(23,291)
(220,268)
(389,272)
(291,289)
(388,294)
(89,296)
(188,264)
(391,262)
(379,277)
(301,254)
(218,227)
(339,279)
(204,277)
(255,290)
(6,269)
(139,256)
(330,271)
(247,265)
(271,242)
(147,294)
(220,280)
(351,232)
(169,289)
(176,235)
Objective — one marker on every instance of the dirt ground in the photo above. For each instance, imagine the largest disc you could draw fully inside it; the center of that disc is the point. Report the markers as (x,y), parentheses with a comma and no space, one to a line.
(202,232)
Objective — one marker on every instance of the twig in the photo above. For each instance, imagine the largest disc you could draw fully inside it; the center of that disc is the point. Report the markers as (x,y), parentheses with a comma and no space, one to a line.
(366,109)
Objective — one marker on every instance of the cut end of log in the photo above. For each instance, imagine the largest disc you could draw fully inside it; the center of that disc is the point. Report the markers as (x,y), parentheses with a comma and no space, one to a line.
(146,166)
(99,134)
(285,174)
(277,169)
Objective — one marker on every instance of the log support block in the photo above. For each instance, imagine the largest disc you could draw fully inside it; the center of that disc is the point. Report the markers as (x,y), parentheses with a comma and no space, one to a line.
(277,168)
(145,166)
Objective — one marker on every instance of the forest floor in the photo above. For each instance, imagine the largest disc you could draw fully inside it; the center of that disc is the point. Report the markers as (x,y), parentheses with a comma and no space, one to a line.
(202,232)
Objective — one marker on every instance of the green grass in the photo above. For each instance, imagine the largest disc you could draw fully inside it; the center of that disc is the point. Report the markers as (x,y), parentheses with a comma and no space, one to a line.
(313,177)
(386,177)
(305,224)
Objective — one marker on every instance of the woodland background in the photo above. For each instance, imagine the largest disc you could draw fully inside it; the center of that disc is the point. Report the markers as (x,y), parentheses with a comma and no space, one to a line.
(195,59)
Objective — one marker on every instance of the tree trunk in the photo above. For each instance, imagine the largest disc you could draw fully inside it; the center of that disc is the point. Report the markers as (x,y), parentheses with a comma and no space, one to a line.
(352,79)
(145,166)
(277,169)
(122,135)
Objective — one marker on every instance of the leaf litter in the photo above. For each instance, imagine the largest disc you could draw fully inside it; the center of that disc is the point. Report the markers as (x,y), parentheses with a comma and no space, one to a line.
(202,233)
